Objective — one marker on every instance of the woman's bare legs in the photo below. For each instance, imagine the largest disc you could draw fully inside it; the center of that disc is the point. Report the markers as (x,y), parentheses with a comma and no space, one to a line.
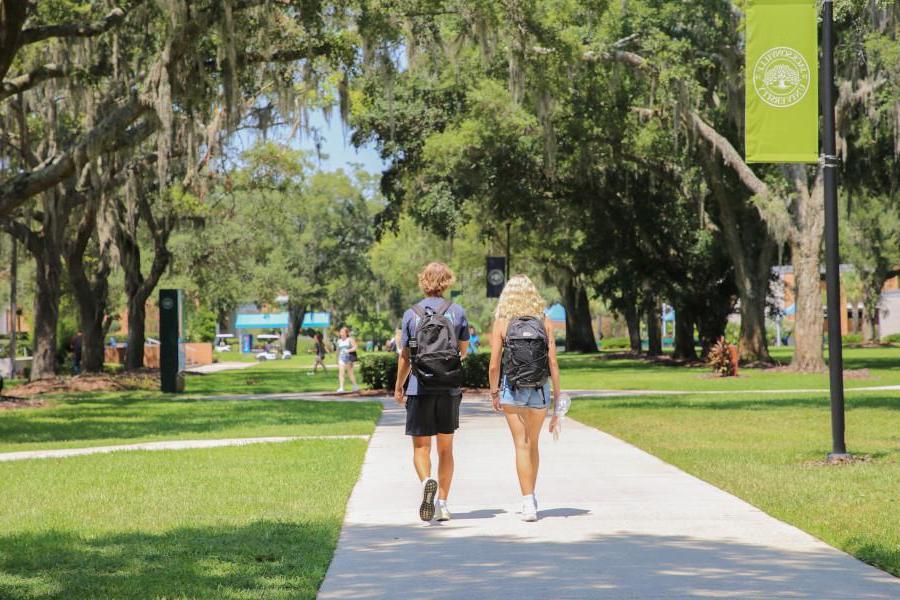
(341,367)
(352,376)
(525,426)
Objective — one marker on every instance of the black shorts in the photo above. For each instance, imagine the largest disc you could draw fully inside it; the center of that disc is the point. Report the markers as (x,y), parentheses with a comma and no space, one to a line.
(432,414)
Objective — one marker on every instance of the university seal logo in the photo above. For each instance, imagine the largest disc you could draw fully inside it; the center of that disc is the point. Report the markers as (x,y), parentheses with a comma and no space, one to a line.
(781,77)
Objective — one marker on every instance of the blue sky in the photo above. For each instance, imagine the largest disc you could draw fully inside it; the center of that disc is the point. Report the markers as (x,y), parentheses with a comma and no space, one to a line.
(336,149)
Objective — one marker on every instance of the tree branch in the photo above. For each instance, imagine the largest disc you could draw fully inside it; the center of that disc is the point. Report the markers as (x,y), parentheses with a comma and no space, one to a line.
(26,81)
(38,34)
(12,18)
(111,132)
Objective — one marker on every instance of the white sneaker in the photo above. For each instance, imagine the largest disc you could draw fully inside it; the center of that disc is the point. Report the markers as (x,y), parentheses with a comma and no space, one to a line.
(355,388)
(340,390)
(529,512)
(429,492)
(443,514)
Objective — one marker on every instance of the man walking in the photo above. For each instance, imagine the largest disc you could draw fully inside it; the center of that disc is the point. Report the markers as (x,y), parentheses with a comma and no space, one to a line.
(434,339)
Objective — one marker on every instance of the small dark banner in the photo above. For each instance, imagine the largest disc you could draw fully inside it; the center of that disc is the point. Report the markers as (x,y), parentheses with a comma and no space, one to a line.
(496,275)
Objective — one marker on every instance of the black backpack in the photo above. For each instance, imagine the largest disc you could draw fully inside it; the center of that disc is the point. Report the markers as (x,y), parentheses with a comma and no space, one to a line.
(434,352)
(526,353)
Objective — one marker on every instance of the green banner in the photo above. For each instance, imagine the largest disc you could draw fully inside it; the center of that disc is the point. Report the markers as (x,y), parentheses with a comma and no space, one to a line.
(782,82)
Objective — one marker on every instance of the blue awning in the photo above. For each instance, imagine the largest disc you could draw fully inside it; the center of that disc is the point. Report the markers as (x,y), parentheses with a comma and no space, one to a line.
(557,312)
(262,321)
(317,319)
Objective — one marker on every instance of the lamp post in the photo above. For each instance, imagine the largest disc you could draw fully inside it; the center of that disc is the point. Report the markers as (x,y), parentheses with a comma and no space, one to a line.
(832,258)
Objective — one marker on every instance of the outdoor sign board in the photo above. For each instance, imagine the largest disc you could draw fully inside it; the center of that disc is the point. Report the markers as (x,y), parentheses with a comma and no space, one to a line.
(496,275)
(782,83)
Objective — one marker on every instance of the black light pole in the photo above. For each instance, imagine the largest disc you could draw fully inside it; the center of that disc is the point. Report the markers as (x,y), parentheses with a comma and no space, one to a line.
(832,258)
(508,256)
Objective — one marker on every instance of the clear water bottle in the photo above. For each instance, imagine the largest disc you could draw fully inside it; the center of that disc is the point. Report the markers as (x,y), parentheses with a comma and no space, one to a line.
(562,407)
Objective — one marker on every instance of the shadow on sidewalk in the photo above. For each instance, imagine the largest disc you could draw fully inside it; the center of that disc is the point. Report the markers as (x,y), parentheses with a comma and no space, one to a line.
(395,561)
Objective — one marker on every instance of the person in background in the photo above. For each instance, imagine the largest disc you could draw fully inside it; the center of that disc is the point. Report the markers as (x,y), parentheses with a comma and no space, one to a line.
(77,346)
(473,340)
(398,341)
(347,347)
(319,349)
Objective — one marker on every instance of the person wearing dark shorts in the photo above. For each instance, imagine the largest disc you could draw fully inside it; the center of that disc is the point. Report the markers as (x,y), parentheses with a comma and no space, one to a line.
(431,414)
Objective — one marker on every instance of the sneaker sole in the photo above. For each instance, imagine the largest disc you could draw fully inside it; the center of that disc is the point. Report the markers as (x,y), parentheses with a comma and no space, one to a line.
(530,518)
(443,519)
(426,510)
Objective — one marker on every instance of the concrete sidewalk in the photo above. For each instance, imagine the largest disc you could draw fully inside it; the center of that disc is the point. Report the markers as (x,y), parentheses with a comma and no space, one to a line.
(615,522)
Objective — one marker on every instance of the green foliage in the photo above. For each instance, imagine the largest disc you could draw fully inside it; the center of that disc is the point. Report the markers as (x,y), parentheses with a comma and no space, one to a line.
(378,370)
(202,326)
(852,338)
(475,370)
(615,343)
(894,338)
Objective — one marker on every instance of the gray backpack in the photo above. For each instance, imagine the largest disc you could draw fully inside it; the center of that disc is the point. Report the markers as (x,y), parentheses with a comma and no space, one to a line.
(434,353)
(526,353)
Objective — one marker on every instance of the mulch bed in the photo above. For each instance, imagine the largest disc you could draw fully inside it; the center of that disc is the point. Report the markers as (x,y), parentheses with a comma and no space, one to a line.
(11,402)
(146,379)
(853,459)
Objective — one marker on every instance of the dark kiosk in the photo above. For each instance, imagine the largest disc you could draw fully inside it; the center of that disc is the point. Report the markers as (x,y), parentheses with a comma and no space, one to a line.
(170,327)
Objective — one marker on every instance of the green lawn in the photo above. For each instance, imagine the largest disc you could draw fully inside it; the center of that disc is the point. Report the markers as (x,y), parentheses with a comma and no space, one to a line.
(601,372)
(274,376)
(766,449)
(254,522)
(99,420)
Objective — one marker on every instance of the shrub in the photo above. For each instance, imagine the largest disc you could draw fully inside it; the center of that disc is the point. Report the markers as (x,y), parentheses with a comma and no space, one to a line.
(202,326)
(852,338)
(475,370)
(723,358)
(378,370)
(615,343)
(894,338)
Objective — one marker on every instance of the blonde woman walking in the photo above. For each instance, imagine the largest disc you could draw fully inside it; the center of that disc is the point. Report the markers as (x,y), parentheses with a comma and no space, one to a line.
(522,344)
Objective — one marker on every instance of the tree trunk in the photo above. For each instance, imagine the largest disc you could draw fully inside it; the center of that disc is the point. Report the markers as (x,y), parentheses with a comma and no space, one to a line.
(806,245)
(654,333)
(868,326)
(684,335)
(137,287)
(633,321)
(91,294)
(137,315)
(579,326)
(295,322)
(752,252)
(13,307)
(48,272)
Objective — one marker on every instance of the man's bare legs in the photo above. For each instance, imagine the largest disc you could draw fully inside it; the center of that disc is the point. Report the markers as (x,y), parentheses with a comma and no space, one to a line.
(422,460)
(422,456)
(445,464)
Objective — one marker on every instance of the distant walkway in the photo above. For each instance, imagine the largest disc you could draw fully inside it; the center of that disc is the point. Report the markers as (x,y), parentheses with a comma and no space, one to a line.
(168,445)
(615,522)
(620,393)
(220,366)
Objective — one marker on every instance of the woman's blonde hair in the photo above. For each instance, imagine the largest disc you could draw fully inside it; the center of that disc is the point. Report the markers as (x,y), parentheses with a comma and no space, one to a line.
(520,298)
(435,279)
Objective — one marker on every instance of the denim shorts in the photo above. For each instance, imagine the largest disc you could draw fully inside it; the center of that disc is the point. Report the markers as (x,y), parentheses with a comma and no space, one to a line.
(525,397)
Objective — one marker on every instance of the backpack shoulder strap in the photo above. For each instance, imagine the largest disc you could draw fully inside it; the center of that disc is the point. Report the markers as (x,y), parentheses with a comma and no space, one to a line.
(444,307)
(420,312)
